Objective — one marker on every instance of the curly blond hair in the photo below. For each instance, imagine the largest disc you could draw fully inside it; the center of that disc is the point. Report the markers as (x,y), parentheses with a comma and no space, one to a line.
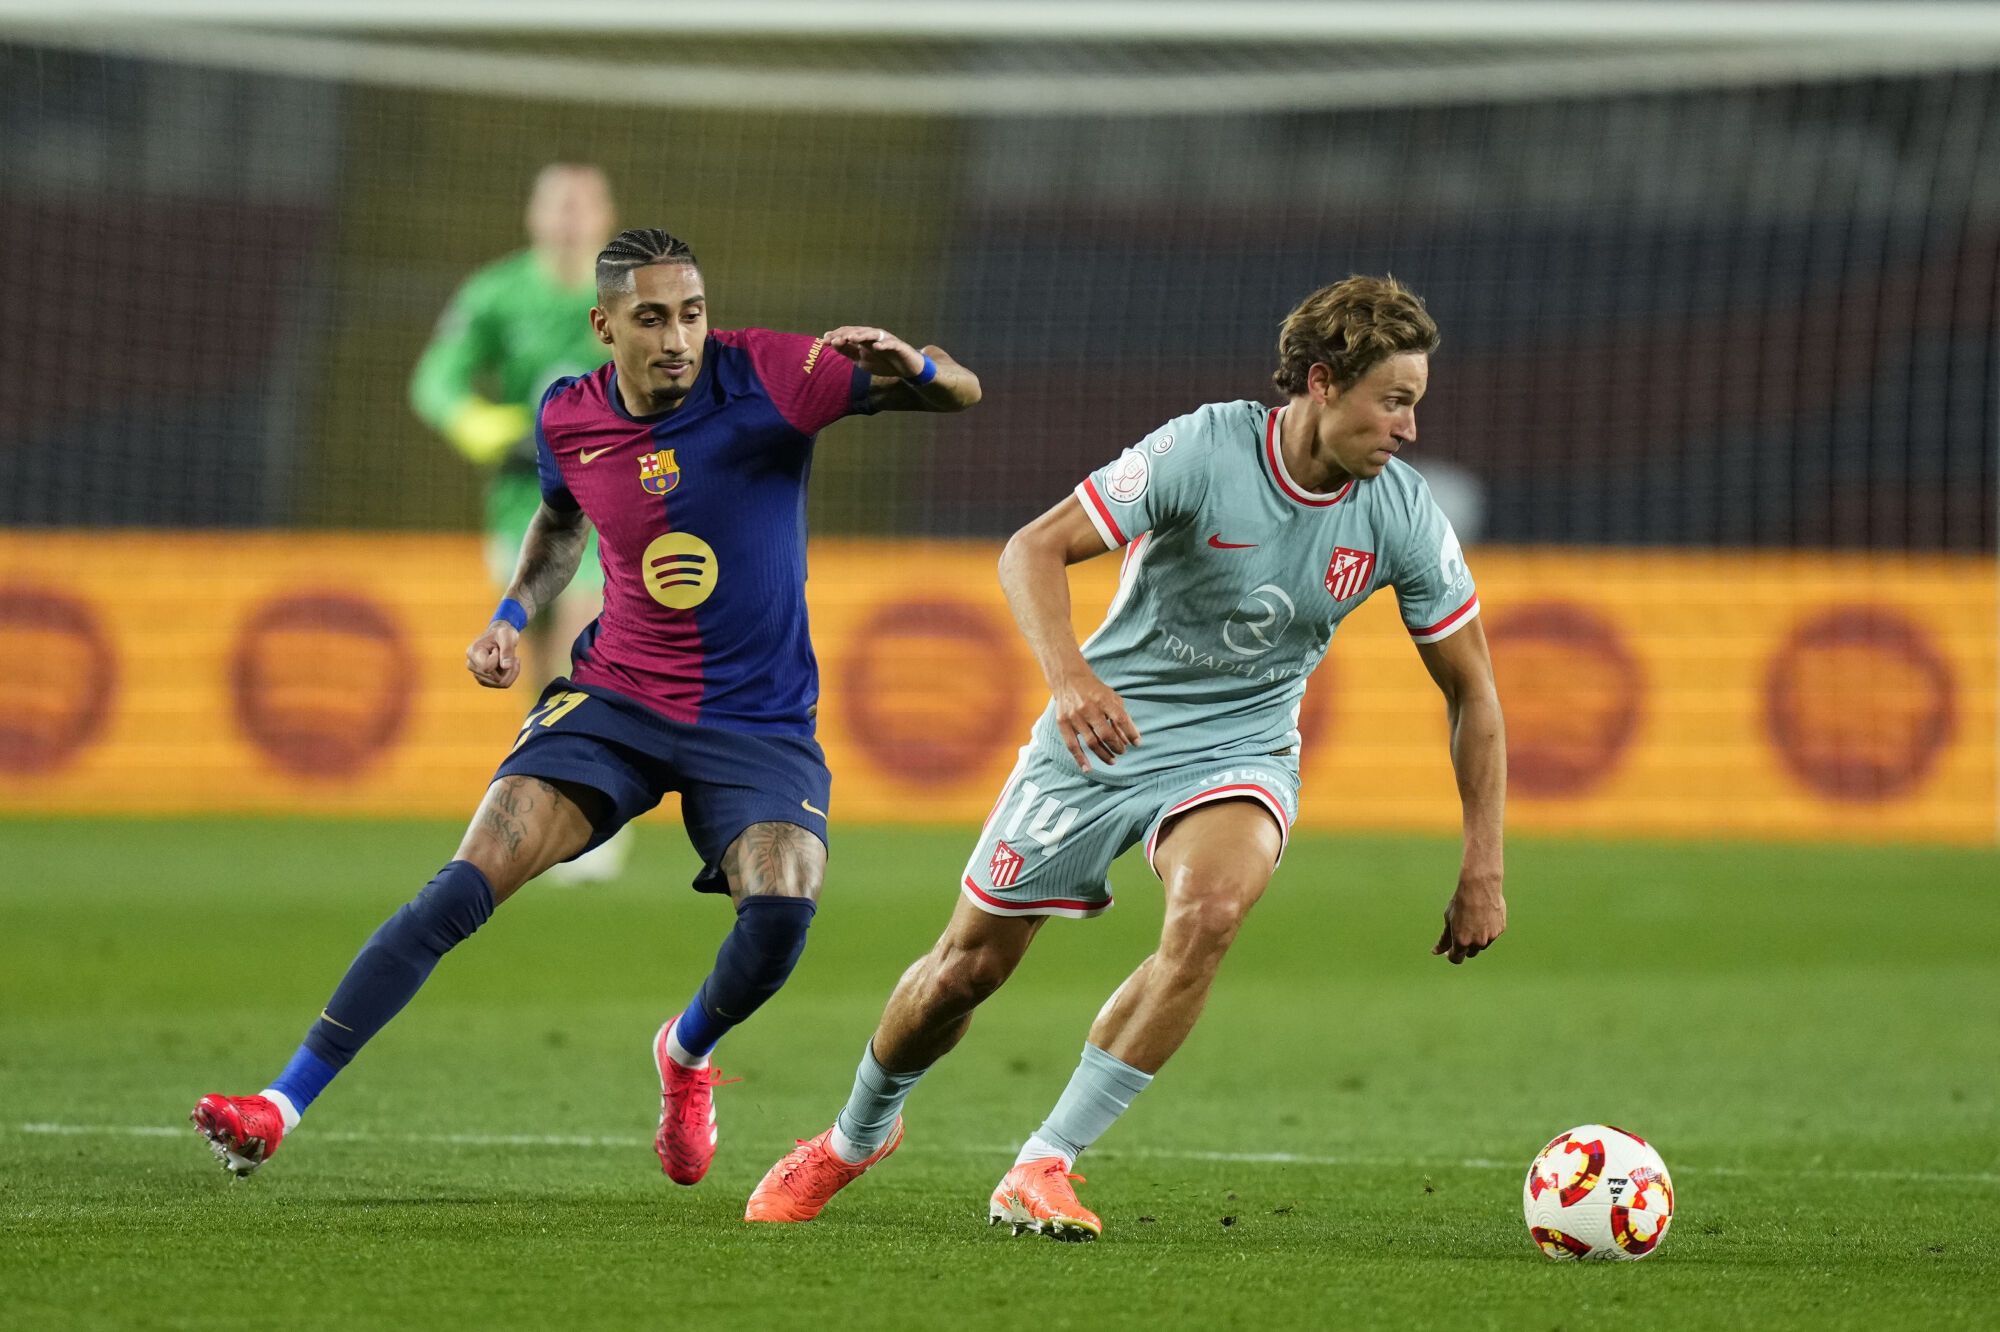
(1350,327)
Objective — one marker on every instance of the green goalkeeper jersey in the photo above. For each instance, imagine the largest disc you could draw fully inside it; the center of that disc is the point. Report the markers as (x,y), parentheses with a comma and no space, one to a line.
(1235,579)
(510,331)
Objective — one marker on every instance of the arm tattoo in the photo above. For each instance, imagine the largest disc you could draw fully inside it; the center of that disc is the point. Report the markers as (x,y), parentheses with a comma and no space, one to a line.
(550,554)
(782,859)
(893,395)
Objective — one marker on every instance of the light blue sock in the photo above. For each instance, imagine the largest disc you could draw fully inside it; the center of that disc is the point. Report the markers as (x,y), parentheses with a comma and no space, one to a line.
(869,1116)
(1101,1089)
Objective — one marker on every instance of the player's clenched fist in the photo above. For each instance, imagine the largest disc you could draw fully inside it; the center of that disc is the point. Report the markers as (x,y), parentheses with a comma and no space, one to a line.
(1089,715)
(495,656)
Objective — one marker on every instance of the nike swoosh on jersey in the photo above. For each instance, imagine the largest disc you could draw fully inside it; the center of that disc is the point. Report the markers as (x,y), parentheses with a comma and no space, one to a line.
(588,454)
(1220,544)
(813,809)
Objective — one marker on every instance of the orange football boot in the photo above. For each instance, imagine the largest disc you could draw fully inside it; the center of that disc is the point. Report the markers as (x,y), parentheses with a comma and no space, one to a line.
(805,1179)
(1036,1196)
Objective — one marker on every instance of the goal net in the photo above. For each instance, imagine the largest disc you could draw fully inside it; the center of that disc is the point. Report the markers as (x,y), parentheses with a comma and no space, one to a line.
(1715,411)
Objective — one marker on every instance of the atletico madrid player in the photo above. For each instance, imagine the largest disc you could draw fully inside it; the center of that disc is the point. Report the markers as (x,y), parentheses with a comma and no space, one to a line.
(689,453)
(1249,533)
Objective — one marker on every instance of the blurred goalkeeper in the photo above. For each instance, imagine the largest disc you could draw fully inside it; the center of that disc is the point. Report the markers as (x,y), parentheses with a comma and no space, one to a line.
(514,328)
(689,453)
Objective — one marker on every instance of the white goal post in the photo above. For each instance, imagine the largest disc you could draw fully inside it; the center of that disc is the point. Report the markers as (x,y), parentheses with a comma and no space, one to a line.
(1112,57)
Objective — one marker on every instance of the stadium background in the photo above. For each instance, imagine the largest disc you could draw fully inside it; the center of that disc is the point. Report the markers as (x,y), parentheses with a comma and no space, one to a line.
(1715,411)
(1717,407)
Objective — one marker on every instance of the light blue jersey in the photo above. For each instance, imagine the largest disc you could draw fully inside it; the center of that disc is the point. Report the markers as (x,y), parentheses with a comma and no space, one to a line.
(1235,579)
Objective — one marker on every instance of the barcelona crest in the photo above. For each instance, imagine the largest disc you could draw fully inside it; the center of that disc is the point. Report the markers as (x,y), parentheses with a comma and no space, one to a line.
(658,472)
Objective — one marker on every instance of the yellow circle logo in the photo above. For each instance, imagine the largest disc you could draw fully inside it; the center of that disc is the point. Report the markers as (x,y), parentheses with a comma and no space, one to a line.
(679,569)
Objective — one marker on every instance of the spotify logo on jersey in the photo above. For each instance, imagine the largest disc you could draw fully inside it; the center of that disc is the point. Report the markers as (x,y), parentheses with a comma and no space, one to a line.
(679,569)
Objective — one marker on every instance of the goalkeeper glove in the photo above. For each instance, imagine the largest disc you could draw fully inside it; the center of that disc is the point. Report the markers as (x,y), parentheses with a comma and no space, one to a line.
(484,431)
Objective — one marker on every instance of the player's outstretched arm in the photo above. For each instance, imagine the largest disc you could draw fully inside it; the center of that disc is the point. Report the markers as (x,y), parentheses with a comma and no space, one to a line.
(550,554)
(898,368)
(1034,574)
(1463,669)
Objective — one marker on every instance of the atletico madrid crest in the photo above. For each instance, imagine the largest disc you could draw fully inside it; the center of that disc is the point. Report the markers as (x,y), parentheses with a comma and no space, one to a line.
(658,472)
(1005,868)
(1347,574)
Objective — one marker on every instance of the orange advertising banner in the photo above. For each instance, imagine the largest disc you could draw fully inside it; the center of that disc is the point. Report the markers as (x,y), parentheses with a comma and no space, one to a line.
(1647,692)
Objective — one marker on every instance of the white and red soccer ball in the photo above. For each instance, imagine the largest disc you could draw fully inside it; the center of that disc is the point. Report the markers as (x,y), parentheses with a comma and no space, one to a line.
(1598,1192)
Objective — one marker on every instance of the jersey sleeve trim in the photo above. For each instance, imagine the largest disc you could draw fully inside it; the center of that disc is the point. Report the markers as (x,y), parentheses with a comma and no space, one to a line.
(1099,514)
(860,400)
(1450,624)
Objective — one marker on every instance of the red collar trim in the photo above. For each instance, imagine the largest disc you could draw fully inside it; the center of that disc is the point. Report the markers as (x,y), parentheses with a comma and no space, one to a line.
(1275,464)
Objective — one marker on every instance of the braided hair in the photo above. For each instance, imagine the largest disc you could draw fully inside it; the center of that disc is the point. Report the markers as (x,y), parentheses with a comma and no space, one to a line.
(632,250)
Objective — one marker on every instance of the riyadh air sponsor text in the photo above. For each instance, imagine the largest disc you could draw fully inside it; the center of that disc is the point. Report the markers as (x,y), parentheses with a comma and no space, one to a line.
(1189,654)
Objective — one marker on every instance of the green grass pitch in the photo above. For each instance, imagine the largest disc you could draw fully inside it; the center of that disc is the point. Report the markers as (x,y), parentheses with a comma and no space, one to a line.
(1808,1034)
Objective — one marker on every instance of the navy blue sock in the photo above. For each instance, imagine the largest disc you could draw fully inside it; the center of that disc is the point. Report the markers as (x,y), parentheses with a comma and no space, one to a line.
(751,966)
(386,974)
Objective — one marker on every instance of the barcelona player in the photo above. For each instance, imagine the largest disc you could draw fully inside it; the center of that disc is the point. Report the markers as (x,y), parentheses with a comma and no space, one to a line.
(1249,533)
(689,451)
(513,328)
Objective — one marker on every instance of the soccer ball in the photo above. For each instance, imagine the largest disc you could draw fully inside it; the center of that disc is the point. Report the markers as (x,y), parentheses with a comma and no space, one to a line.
(1598,1192)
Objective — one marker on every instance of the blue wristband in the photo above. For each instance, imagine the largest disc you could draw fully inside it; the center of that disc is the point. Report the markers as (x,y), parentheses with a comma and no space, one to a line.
(513,612)
(923,376)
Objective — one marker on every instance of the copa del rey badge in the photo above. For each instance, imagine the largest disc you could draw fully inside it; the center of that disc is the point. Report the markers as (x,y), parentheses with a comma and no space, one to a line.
(658,472)
(1348,572)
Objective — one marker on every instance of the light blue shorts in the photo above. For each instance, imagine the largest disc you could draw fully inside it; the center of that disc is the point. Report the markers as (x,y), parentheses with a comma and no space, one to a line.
(1048,844)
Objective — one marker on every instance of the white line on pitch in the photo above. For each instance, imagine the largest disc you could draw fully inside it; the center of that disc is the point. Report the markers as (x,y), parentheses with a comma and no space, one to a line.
(620,1143)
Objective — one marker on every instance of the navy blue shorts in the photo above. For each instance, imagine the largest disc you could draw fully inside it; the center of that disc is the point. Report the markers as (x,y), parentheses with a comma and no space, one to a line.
(728,780)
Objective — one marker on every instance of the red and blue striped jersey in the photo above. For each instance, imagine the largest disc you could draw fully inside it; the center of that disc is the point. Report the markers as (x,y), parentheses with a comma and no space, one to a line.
(701,520)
